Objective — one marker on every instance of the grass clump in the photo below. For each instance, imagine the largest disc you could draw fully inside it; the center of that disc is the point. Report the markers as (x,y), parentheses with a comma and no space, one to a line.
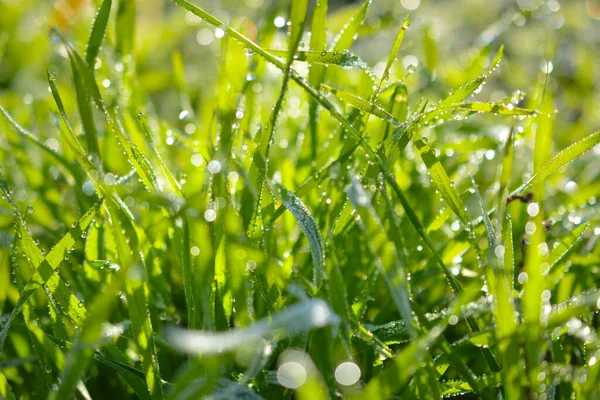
(307,224)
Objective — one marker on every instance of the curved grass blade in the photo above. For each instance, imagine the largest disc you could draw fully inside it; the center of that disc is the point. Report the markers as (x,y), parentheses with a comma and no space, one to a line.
(263,142)
(97,33)
(560,160)
(310,229)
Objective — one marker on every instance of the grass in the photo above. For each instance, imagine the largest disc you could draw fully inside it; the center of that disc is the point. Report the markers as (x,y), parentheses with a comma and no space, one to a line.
(296,220)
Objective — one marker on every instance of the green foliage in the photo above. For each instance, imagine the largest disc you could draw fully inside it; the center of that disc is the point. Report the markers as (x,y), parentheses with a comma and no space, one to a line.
(296,206)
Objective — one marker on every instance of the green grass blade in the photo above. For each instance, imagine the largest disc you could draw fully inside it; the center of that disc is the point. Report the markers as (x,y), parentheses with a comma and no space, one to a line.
(175,186)
(347,35)
(310,229)
(316,73)
(470,87)
(362,104)
(86,112)
(560,160)
(442,181)
(298,11)
(496,108)
(182,236)
(97,33)
(395,48)
(344,58)
(559,251)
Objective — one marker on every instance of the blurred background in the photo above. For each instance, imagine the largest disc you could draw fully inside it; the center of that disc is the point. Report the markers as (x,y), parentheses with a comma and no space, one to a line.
(564,35)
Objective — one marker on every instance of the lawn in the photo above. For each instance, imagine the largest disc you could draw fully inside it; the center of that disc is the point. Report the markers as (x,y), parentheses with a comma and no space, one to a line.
(299,199)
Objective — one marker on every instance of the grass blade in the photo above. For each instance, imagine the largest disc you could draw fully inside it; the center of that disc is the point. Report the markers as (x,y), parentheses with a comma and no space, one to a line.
(347,35)
(310,229)
(97,33)
(560,160)
(362,104)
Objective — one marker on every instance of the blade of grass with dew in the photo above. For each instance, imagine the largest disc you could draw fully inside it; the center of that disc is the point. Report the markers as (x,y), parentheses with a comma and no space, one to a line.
(504,310)
(70,138)
(86,113)
(505,172)
(536,282)
(496,108)
(136,292)
(97,33)
(442,181)
(316,73)
(362,104)
(559,251)
(311,230)
(137,301)
(544,128)
(182,236)
(395,50)
(470,87)
(560,160)
(344,58)
(347,35)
